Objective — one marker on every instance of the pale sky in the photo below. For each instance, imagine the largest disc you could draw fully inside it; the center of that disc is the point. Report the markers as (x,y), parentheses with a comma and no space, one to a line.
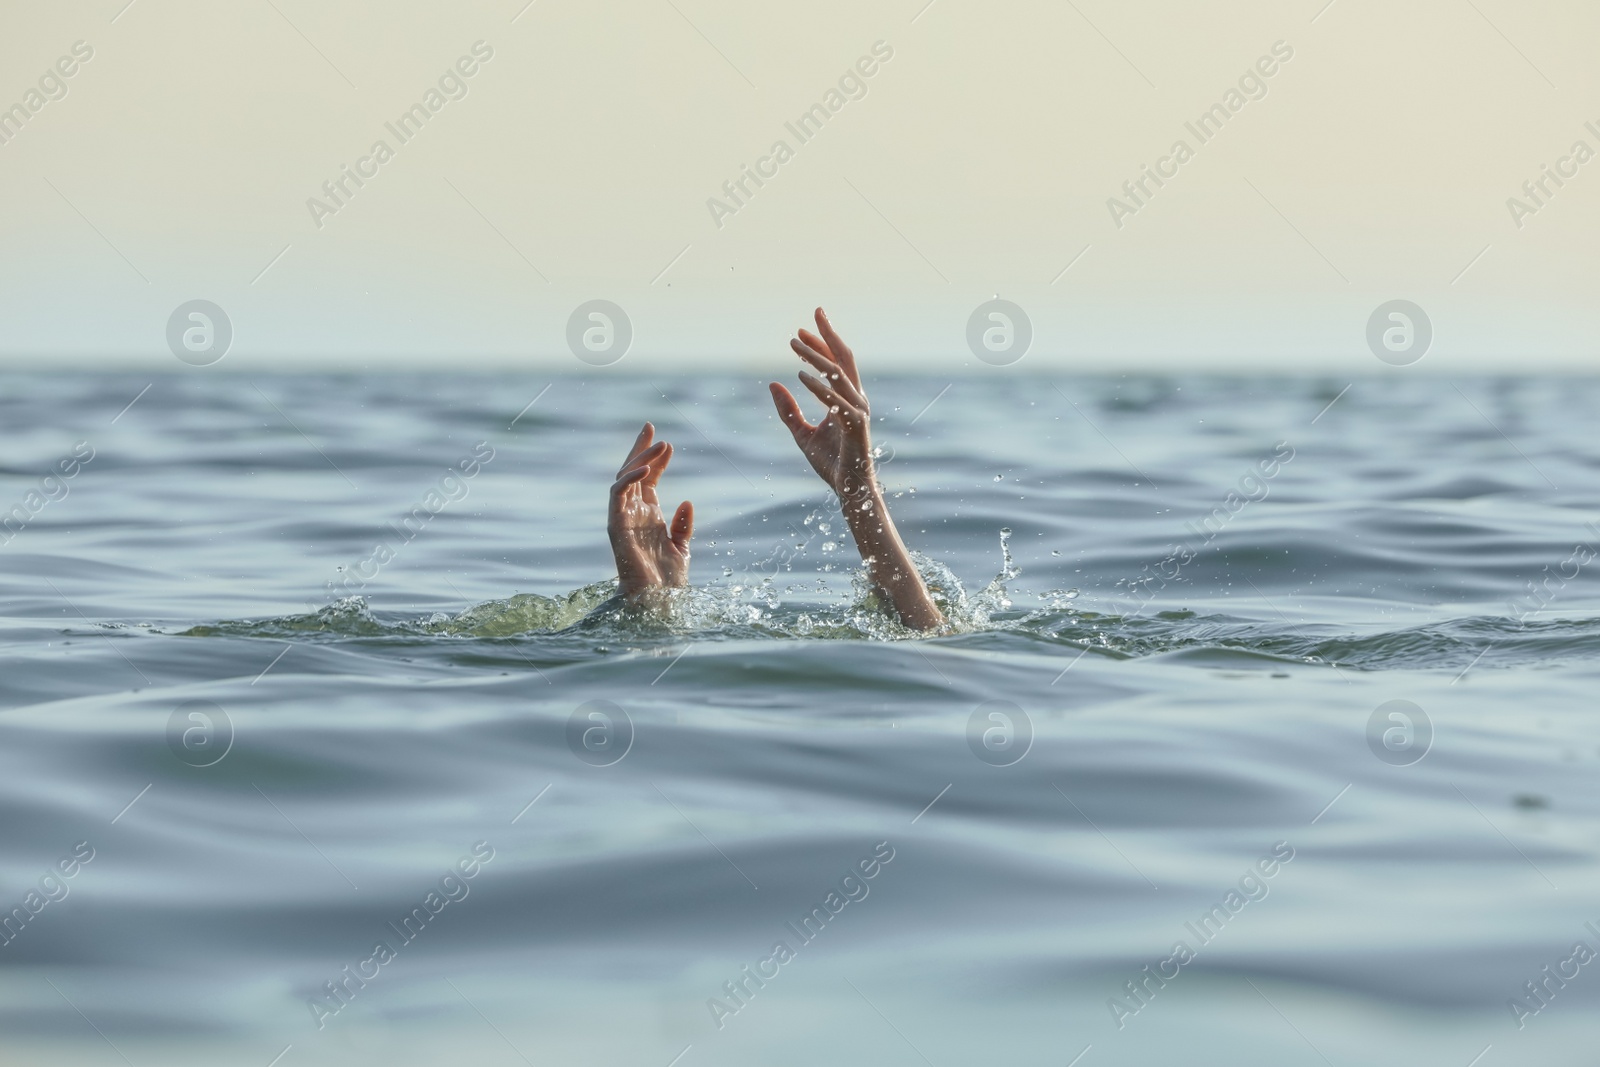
(976,161)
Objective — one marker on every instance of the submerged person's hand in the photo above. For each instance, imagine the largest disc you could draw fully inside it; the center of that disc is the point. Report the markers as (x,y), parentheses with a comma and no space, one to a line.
(649,555)
(839,449)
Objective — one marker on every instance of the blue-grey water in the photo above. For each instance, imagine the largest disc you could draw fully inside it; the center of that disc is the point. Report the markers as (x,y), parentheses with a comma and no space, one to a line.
(1165,719)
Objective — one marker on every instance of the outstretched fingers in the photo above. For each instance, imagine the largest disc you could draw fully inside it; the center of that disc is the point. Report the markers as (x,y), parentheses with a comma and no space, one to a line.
(625,481)
(641,445)
(836,404)
(841,351)
(654,466)
(810,348)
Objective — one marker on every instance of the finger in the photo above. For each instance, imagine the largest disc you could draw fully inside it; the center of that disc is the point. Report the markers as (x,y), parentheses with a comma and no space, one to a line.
(831,350)
(683,526)
(841,351)
(640,443)
(643,458)
(623,486)
(806,349)
(627,478)
(835,403)
(658,463)
(639,447)
(817,343)
(789,411)
(811,348)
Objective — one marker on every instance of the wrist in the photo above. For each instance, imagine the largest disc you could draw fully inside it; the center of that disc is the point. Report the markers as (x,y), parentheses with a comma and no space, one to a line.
(859,485)
(865,512)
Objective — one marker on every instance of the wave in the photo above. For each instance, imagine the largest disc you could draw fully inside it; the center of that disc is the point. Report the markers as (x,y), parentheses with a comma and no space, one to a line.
(760,609)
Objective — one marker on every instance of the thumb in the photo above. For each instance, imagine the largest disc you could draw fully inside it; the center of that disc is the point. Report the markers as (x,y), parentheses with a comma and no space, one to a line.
(789,411)
(683,526)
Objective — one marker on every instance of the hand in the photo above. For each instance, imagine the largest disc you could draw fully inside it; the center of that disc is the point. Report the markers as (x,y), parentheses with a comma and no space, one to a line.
(839,448)
(649,556)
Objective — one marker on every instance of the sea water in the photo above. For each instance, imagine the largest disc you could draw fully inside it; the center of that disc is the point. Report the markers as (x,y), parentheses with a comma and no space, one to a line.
(1264,726)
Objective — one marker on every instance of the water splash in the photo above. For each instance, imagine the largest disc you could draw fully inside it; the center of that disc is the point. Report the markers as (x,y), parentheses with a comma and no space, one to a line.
(753,606)
(756,607)
(352,617)
(348,616)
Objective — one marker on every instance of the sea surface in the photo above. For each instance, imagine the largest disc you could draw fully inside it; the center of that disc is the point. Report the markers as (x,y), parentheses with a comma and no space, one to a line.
(1298,675)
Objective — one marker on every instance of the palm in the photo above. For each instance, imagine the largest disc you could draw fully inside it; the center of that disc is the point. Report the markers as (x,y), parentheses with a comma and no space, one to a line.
(837,453)
(648,552)
(643,542)
(839,448)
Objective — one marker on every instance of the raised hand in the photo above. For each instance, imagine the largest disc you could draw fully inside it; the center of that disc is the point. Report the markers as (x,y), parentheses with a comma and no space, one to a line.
(649,555)
(839,449)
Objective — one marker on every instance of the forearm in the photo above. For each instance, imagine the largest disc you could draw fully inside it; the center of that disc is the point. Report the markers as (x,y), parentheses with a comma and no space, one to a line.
(888,561)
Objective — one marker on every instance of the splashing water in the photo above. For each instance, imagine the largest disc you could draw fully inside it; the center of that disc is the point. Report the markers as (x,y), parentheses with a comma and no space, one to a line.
(756,608)
(747,608)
